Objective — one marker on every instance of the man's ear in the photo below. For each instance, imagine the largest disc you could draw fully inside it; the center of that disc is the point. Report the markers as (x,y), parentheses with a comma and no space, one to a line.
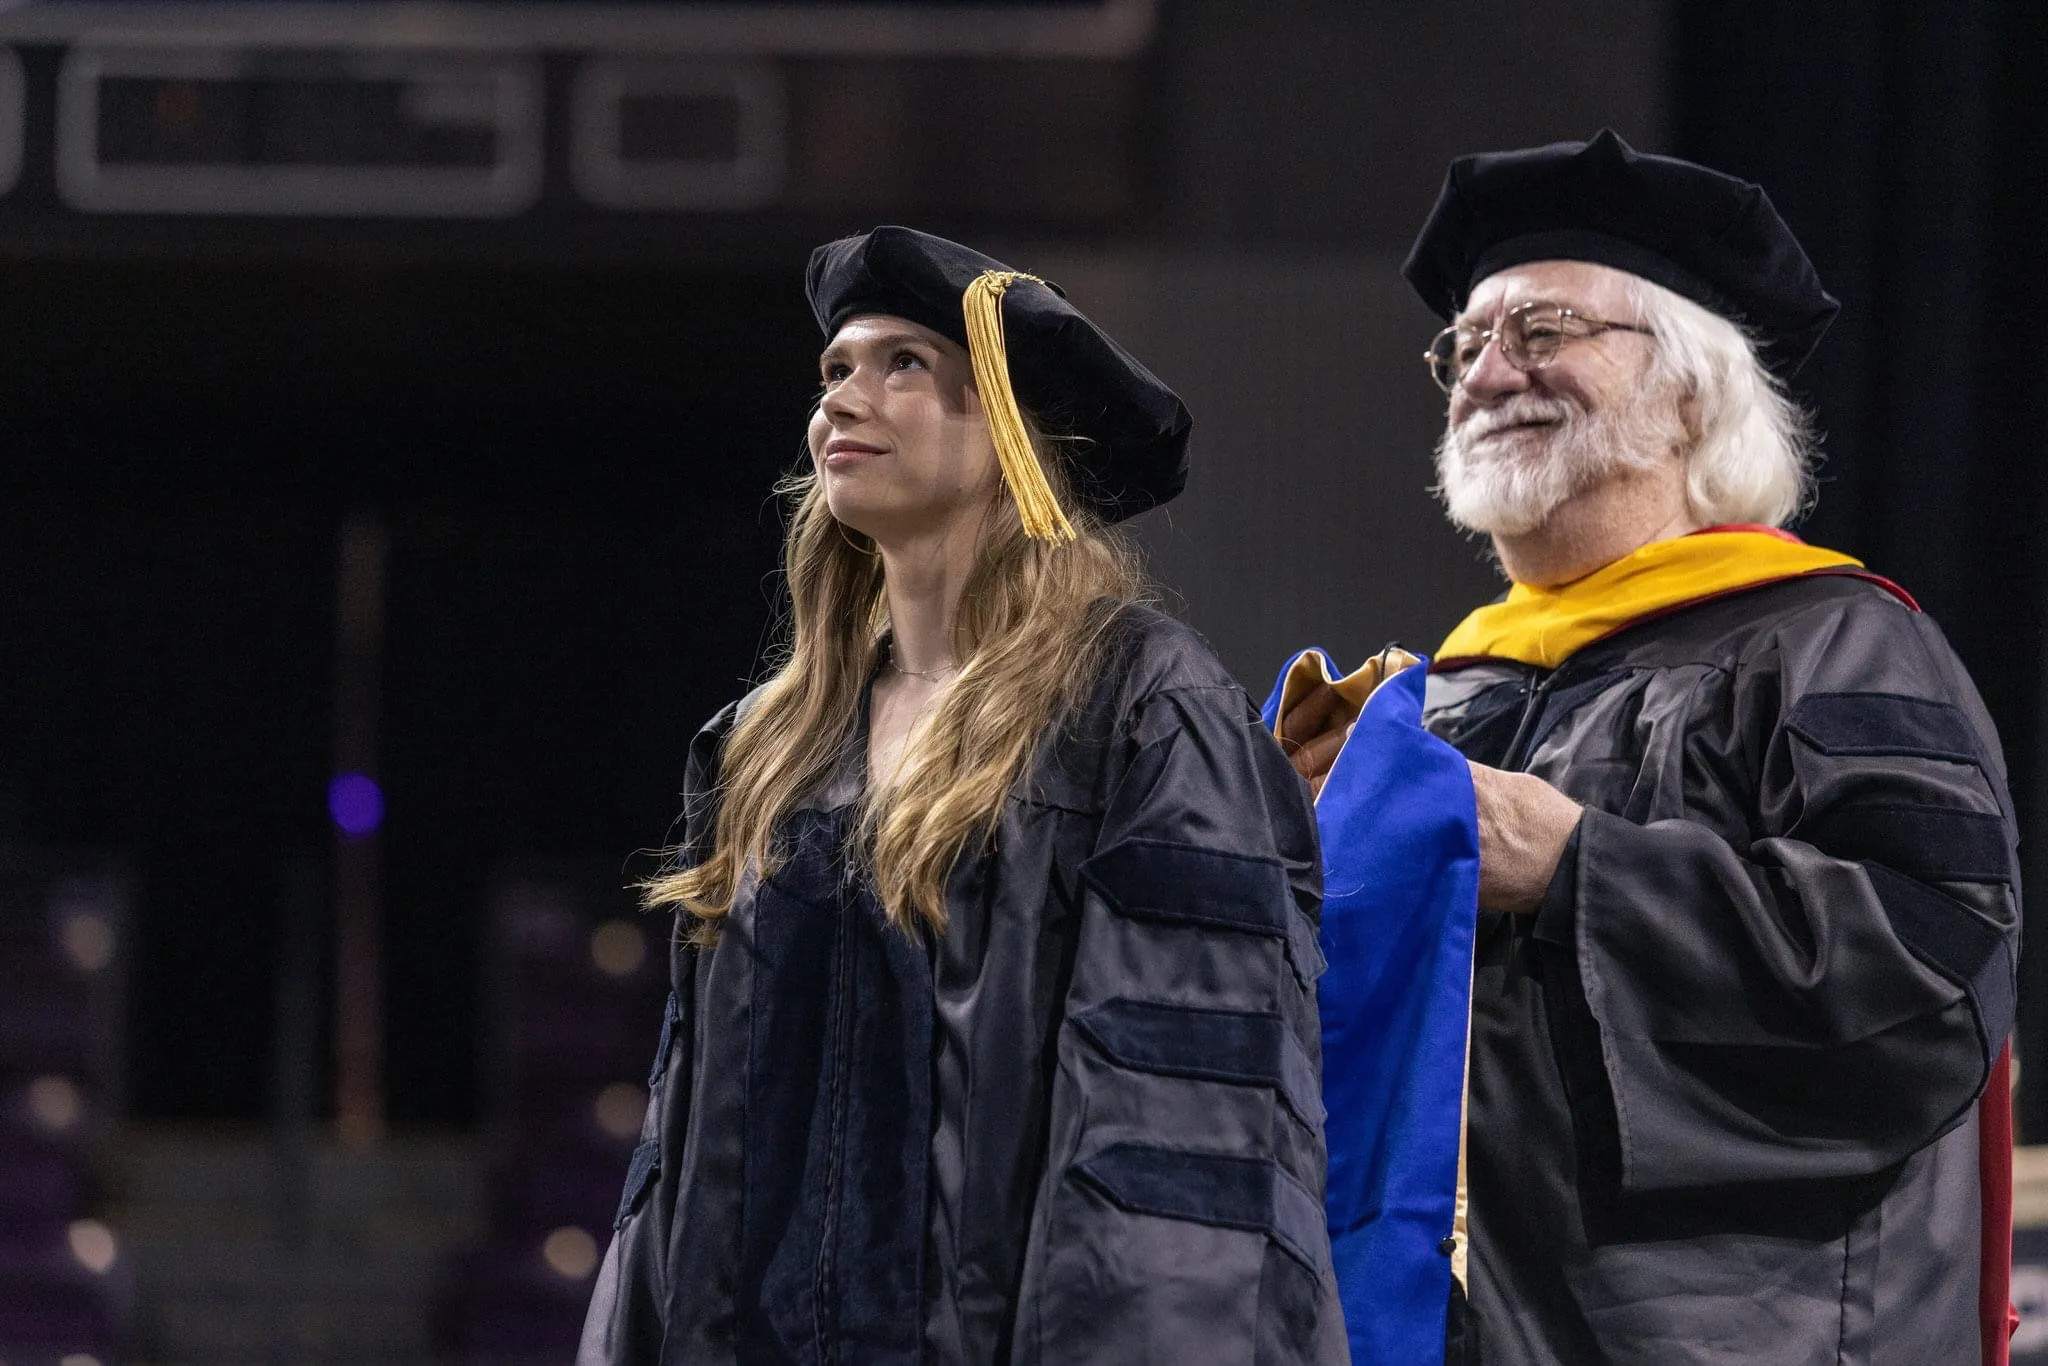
(1690,415)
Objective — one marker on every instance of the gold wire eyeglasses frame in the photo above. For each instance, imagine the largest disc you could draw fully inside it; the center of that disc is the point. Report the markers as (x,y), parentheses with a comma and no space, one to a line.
(1529,336)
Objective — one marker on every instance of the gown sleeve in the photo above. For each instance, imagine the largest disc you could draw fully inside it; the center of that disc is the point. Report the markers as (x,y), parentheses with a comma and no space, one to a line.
(1827,997)
(629,1303)
(1180,1214)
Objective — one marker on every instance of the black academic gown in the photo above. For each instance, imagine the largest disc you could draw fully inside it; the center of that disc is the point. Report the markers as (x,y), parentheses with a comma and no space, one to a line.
(1724,1083)
(1082,1125)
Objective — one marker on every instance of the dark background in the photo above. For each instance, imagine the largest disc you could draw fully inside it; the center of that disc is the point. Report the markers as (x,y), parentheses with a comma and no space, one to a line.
(575,479)
(570,425)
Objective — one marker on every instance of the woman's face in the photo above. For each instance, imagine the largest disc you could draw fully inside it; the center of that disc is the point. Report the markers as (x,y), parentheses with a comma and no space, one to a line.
(899,438)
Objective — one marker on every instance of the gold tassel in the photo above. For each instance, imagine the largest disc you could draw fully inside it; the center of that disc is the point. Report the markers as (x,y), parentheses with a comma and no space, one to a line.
(1036,507)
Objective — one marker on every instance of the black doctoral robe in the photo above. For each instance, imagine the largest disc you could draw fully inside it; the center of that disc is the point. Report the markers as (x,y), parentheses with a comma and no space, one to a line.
(1724,1084)
(1082,1125)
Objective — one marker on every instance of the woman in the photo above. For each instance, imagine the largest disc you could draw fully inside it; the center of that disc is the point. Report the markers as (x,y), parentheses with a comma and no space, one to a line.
(994,1030)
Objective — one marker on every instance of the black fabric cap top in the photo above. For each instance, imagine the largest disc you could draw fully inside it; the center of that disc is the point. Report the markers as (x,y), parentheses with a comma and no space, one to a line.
(1066,372)
(1710,237)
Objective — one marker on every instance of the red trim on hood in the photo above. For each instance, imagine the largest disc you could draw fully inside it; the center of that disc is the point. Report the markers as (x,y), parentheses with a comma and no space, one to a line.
(1996,1317)
(1757,527)
(1880,580)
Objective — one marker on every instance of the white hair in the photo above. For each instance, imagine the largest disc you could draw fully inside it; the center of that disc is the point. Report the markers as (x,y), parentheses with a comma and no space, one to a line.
(1497,483)
(1753,460)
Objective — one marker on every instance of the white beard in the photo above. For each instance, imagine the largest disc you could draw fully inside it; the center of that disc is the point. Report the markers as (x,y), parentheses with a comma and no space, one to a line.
(1510,484)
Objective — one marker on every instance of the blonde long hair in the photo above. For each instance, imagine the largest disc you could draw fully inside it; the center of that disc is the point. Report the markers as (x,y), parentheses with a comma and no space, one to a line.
(1032,622)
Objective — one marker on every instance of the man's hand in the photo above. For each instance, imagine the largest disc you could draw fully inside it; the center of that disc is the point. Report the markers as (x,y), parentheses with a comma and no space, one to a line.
(1313,731)
(1524,825)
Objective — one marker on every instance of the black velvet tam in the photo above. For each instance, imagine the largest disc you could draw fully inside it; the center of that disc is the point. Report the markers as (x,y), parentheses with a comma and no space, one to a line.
(1132,452)
(1708,236)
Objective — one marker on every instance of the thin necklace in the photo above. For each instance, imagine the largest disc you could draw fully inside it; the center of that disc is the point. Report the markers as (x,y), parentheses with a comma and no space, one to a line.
(926,674)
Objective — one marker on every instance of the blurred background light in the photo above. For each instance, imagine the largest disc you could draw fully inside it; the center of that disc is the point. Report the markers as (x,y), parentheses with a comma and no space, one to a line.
(94,1245)
(56,1104)
(618,947)
(570,1253)
(356,803)
(89,940)
(620,1109)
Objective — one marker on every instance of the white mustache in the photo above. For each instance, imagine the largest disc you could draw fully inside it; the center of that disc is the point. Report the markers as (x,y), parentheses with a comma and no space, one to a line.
(1517,410)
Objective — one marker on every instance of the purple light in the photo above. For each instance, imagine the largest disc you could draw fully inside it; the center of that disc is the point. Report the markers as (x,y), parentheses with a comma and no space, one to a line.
(356,803)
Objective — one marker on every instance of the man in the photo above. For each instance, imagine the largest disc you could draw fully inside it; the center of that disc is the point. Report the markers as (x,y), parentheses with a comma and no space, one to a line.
(1748,894)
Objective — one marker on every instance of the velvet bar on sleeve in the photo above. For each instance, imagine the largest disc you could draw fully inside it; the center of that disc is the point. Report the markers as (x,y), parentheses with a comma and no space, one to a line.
(1179,1216)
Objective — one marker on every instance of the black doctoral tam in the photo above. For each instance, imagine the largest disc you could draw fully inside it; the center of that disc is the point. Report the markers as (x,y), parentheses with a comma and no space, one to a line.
(1710,237)
(1131,451)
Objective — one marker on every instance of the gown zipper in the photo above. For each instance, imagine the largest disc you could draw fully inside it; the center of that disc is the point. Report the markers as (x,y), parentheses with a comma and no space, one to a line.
(826,1282)
(1538,685)
(1536,691)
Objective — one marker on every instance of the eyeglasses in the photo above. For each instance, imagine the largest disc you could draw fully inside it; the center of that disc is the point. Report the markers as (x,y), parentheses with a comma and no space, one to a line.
(1529,335)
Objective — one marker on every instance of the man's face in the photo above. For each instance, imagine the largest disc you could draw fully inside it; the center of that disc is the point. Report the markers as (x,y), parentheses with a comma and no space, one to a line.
(1518,443)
